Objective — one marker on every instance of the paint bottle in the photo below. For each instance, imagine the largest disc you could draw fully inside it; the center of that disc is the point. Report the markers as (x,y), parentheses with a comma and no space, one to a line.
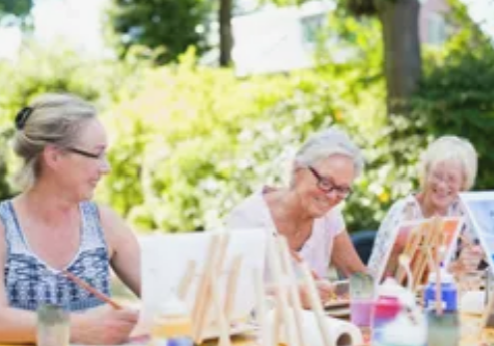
(362,296)
(52,326)
(447,290)
(396,318)
(443,326)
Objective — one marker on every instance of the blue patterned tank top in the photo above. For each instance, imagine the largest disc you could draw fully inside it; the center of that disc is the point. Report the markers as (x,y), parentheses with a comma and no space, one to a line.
(30,282)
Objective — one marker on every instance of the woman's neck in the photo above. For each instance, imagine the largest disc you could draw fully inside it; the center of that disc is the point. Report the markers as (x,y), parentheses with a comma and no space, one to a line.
(47,203)
(287,208)
(428,208)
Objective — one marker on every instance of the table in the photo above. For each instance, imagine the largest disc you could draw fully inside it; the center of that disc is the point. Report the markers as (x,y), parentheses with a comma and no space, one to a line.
(472,335)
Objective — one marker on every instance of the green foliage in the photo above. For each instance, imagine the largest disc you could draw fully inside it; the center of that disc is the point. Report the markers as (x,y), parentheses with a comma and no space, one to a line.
(189,142)
(35,73)
(40,70)
(19,8)
(16,7)
(196,140)
(170,26)
(15,12)
(360,7)
(455,97)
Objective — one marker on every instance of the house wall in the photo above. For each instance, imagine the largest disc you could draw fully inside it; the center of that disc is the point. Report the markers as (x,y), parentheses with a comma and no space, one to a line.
(430,15)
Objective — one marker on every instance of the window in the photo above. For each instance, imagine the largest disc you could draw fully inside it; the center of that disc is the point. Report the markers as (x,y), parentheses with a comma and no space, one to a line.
(312,26)
(436,29)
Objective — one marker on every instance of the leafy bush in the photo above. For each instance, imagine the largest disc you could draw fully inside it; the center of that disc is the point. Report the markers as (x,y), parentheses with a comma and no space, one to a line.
(458,98)
(189,142)
(39,70)
(196,140)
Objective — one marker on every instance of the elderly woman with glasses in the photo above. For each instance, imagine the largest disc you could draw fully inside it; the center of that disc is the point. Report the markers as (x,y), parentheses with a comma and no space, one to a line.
(306,212)
(446,168)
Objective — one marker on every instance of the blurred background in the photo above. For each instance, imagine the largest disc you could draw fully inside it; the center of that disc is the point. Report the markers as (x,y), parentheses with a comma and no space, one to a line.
(207,100)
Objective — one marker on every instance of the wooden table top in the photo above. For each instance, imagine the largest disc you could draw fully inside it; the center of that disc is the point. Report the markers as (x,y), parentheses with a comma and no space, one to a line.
(471,335)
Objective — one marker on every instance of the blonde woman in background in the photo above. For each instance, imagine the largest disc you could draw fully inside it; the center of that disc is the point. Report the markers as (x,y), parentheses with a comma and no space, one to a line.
(53,226)
(446,168)
(307,211)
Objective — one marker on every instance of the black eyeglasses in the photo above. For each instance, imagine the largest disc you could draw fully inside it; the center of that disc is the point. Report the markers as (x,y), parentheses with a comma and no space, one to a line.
(326,185)
(85,153)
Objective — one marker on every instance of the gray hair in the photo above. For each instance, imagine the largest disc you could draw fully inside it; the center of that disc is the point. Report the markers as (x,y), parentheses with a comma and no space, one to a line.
(327,143)
(450,148)
(50,119)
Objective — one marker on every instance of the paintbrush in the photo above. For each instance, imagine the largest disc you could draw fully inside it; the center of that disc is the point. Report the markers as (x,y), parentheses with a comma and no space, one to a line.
(91,290)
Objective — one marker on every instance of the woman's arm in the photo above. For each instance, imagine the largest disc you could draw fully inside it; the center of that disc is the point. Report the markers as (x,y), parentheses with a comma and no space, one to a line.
(103,325)
(16,326)
(124,249)
(344,256)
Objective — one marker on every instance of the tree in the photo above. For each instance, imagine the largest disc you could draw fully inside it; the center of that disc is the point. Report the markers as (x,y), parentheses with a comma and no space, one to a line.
(14,12)
(402,58)
(226,35)
(168,24)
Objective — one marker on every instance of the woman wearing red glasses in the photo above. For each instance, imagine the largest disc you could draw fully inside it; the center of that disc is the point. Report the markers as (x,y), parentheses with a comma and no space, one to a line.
(306,212)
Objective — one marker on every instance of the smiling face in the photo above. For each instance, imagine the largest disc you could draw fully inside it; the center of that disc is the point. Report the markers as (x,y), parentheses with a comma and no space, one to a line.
(79,168)
(334,174)
(444,181)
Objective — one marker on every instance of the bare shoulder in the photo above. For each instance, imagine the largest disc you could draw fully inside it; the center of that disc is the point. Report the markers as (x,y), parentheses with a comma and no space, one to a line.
(3,244)
(2,234)
(114,226)
(109,216)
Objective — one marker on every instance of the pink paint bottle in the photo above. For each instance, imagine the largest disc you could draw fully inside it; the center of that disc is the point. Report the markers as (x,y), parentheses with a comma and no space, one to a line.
(396,319)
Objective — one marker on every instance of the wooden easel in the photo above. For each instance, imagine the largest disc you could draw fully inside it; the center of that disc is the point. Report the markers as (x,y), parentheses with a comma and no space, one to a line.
(423,241)
(488,313)
(288,307)
(285,286)
(208,293)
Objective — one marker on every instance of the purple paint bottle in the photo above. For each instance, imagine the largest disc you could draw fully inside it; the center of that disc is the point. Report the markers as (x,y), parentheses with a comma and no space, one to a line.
(362,297)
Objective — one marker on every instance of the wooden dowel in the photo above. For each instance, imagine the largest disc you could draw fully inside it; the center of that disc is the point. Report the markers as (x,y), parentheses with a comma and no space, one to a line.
(261,310)
(203,291)
(91,290)
(281,306)
(293,290)
(299,260)
(221,320)
(183,287)
(231,285)
(316,305)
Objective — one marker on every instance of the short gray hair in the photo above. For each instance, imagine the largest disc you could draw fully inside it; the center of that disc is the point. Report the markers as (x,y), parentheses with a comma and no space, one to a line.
(326,143)
(450,148)
(50,119)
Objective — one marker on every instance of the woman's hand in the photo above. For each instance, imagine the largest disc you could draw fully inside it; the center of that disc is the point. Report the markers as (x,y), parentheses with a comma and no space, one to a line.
(325,292)
(470,257)
(468,261)
(103,325)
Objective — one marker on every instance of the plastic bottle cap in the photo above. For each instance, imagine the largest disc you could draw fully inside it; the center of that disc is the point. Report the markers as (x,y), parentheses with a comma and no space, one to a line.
(446,277)
(390,288)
